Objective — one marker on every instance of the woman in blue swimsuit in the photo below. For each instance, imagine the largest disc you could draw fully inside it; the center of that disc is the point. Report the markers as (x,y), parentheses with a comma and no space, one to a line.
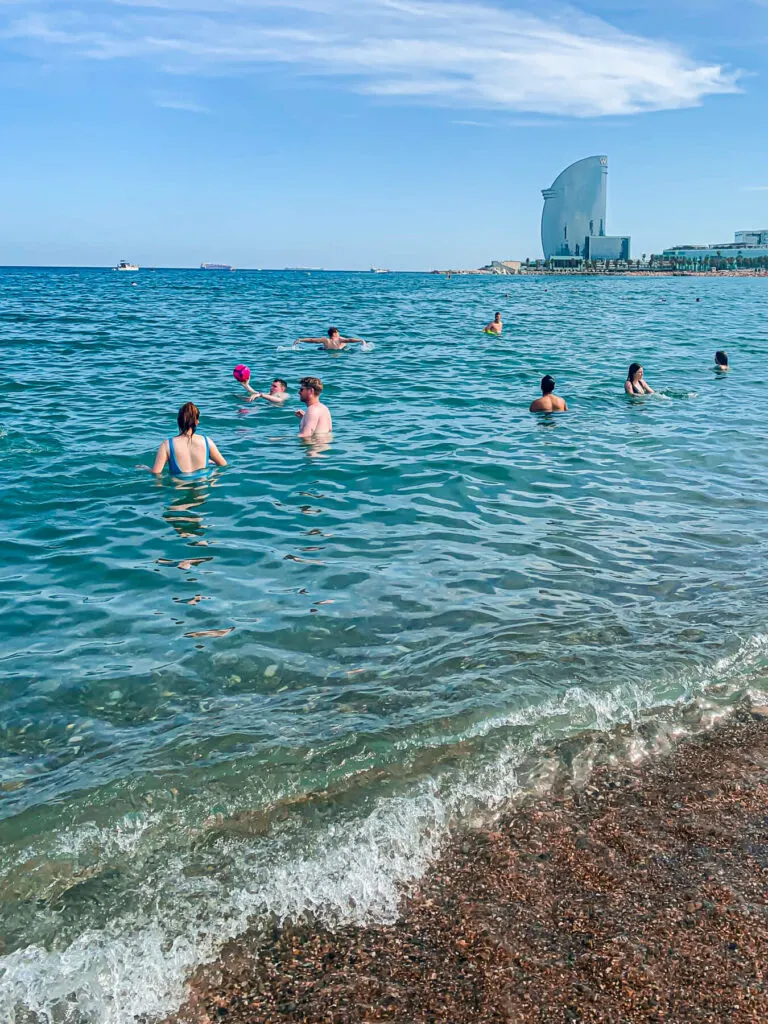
(188,454)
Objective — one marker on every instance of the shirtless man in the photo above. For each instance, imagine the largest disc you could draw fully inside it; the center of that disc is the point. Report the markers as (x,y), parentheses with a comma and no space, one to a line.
(721,361)
(549,401)
(495,326)
(277,394)
(333,343)
(317,419)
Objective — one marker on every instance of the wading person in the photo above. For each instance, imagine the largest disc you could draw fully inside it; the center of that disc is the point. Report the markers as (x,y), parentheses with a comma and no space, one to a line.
(189,452)
(635,384)
(549,401)
(332,343)
(316,421)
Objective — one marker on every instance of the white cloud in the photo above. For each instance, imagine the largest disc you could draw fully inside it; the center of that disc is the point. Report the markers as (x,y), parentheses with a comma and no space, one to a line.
(174,103)
(755,188)
(459,54)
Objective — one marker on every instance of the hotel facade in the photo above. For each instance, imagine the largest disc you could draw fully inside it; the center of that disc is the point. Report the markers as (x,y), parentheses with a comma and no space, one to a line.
(573,221)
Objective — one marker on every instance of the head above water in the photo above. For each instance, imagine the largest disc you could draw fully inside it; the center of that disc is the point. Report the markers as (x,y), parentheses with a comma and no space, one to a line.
(188,418)
(278,385)
(635,370)
(721,358)
(496,317)
(333,333)
(311,384)
(547,384)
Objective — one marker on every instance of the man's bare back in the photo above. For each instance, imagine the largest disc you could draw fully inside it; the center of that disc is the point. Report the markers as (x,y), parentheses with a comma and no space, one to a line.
(549,401)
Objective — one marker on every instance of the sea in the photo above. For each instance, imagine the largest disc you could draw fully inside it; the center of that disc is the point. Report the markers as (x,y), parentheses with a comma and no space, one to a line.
(273,692)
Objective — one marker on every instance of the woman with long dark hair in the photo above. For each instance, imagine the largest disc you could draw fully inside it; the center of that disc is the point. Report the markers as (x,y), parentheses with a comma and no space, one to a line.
(189,452)
(634,384)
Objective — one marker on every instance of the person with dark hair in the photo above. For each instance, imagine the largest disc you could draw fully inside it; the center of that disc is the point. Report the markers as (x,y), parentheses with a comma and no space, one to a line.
(317,418)
(549,401)
(277,394)
(721,361)
(332,343)
(495,326)
(634,384)
(189,452)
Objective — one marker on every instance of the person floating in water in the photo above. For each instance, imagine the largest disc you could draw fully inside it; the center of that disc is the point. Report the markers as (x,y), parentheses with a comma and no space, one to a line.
(277,394)
(634,384)
(333,343)
(495,326)
(721,361)
(317,418)
(549,401)
(188,452)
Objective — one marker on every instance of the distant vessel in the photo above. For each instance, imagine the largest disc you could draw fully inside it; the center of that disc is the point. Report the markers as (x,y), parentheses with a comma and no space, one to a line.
(215,266)
(380,270)
(125,265)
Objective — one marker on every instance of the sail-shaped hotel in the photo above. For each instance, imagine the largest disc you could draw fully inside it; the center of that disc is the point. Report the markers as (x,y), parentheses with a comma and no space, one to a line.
(573,219)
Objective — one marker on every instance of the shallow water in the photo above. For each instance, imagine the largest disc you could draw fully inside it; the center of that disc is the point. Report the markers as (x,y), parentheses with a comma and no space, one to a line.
(448,603)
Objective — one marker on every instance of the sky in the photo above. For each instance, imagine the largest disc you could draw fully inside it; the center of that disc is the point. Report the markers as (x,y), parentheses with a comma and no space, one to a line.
(407,134)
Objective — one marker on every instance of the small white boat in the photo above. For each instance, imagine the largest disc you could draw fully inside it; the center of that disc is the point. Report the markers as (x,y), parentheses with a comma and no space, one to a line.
(125,265)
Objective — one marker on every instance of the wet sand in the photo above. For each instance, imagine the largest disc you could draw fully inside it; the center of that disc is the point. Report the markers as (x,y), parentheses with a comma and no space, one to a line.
(642,896)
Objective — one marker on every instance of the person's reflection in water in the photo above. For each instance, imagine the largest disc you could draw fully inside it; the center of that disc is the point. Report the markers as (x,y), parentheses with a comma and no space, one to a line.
(182,512)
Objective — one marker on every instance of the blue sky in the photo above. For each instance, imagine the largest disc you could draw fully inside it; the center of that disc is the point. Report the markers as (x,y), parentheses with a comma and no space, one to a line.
(410,134)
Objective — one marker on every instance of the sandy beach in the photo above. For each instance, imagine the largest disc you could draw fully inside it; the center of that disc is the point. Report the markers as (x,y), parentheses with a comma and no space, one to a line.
(640,897)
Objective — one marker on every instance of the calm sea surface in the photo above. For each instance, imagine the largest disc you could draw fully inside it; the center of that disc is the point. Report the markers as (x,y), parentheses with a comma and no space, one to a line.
(274,691)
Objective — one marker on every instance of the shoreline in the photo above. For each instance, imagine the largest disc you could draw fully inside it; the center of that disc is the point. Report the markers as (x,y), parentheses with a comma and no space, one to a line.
(641,896)
(636,274)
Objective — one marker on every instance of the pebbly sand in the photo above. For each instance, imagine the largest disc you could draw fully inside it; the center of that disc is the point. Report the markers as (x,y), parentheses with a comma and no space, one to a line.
(641,897)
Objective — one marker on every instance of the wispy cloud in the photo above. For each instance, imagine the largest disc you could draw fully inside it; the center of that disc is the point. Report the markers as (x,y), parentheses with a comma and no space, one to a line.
(755,188)
(461,54)
(174,103)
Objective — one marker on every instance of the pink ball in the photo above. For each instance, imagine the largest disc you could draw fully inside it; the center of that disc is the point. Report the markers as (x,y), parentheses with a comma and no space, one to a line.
(241,373)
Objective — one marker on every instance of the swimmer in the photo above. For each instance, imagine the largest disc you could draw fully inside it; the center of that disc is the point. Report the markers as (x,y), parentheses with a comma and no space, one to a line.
(495,326)
(317,419)
(277,394)
(549,401)
(634,384)
(188,452)
(721,361)
(333,343)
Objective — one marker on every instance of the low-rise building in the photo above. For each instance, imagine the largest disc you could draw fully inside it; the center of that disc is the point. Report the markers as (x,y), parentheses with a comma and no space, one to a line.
(747,245)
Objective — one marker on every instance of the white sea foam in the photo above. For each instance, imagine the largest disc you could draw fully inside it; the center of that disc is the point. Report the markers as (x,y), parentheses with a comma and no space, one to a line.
(138,965)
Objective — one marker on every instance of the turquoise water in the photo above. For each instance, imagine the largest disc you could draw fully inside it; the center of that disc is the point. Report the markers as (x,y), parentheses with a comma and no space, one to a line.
(451,602)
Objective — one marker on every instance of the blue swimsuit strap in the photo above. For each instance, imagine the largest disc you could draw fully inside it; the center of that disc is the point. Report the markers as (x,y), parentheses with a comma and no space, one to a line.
(173,464)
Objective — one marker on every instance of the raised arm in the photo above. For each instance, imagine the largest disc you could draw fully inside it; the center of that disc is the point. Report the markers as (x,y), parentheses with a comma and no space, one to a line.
(310,341)
(249,389)
(353,341)
(161,458)
(274,399)
(215,454)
